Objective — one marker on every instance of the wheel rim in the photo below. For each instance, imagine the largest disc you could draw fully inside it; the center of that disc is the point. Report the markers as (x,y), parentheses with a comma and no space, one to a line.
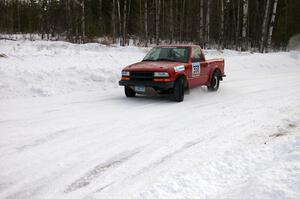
(215,81)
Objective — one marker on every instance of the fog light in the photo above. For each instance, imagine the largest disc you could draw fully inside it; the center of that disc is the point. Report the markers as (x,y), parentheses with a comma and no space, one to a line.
(161,79)
(125,78)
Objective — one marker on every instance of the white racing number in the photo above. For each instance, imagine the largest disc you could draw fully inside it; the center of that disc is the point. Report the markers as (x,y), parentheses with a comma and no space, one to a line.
(195,69)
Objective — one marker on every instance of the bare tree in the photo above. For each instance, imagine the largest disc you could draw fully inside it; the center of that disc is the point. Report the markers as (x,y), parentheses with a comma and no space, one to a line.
(237,32)
(113,20)
(124,23)
(286,20)
(141,17)
(128,16)
(18,16)
(236,23)
(171,22)
(245,23)
(146,22)
(83,19)
(30,18)
(182,20)
(264,27)
(101,25)
(271,27)
(119,20)
(207,29)
(157,21)
(201,28)
(221,39)
(82,6)
(68,18)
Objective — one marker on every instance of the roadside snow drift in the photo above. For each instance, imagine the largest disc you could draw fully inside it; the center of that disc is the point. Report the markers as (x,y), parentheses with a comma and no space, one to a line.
(50,68)
(68,131)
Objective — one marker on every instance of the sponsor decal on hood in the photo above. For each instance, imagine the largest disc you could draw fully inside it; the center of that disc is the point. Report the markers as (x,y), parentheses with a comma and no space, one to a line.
(179,68)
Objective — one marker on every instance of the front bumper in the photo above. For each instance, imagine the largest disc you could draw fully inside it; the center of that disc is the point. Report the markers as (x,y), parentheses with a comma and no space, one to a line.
(152,84)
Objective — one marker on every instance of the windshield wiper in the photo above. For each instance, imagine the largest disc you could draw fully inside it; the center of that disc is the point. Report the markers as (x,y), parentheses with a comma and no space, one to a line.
(148,60)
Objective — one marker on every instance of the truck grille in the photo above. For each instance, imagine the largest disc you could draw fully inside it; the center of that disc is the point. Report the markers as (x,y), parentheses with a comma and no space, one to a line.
(141,76)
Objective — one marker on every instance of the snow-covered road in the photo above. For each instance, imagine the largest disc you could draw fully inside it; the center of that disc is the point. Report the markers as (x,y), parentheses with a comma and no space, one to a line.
(240,142)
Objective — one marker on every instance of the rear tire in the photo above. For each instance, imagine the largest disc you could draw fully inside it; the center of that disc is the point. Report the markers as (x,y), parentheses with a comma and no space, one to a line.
(178,91)
(214,82)
(129,92)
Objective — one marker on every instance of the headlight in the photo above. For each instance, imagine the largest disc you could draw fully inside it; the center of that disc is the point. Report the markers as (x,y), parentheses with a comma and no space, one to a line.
(125,73)
(161,74)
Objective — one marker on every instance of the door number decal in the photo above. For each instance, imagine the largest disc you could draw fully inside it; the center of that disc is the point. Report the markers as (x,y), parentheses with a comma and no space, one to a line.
(195,69)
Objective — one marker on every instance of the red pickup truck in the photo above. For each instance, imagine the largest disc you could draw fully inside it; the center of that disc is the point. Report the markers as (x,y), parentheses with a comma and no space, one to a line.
(172,70)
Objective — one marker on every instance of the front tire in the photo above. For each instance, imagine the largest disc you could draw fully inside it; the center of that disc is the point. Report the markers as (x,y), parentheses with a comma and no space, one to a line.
(129,92)
(178,92)
(214,82)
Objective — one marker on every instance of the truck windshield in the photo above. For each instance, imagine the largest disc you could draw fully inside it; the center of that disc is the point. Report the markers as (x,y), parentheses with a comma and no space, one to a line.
(176,54)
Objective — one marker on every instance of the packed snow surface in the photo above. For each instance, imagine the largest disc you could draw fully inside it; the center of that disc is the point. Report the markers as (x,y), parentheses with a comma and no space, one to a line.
(68,131)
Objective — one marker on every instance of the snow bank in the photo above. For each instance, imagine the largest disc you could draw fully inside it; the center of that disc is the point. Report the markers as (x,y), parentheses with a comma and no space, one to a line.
(44,68)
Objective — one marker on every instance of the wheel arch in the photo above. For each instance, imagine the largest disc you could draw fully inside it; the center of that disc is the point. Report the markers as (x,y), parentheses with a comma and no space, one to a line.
(215,70)
(186,82)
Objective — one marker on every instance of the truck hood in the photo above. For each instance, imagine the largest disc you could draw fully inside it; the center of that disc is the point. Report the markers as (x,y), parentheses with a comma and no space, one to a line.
(153,66)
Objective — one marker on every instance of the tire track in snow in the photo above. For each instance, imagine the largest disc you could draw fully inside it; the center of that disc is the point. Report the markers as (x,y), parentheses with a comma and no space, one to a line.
(98,170)
(287,129)
(165,158)
(43,140)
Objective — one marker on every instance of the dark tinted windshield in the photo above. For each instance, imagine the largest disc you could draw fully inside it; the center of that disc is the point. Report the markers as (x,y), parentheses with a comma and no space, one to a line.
(176,54)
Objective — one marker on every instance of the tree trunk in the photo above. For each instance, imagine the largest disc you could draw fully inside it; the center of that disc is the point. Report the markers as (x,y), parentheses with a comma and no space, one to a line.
(171,22)
(141,21)
(272,25)
(221,39)
(181,21)
(286,20)
(127,18)
(146,23)
(234,25)
(113,20)
(124,23)
(157,20)
(256,26)
(119,20)
(83,20)
(207,29)
(18,16)
(30,19)
(245,23)
(201,29)
(264,28)
(237,32)
(101,26)
(68,19)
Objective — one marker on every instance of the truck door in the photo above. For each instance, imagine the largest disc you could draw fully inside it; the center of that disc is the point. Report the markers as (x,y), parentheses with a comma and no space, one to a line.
(195,74)
(204,75)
